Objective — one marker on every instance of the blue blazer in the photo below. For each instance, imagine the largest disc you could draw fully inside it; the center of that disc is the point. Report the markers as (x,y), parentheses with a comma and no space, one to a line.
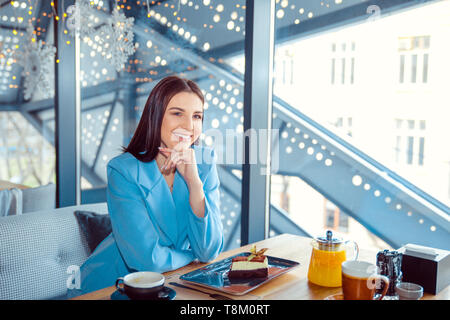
(152,229)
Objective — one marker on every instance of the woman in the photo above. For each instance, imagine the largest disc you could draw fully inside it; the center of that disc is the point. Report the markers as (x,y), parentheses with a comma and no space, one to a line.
(163,201)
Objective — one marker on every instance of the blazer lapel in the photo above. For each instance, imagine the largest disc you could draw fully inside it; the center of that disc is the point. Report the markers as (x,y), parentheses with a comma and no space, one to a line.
(181,200)
(162,205)
(158,198)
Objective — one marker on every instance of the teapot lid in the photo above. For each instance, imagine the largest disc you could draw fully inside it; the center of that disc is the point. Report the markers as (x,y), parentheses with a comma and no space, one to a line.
(328,239)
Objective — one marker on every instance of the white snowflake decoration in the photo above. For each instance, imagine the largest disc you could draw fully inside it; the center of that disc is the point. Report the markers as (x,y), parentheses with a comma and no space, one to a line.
(37,61)
(81,18)
(116,38)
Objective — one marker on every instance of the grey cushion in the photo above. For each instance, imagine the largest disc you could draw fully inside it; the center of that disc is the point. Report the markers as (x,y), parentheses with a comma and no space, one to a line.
(37,248)
(39,198)
(95,227)
(10,202)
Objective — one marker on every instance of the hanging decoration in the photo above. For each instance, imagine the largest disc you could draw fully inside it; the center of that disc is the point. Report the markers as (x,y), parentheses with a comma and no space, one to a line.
(116,38)
(81,18)
(37,61)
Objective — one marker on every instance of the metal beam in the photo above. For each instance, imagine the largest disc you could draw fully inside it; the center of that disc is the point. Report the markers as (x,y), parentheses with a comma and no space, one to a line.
(49,135)
(11,27)
(8,108)
(259,40)
(320,23)
(362,188)
(67,113)
(129,112)
(280,220)
(191,56)
(86,93)
(42,21)
(129,97)
(111,112)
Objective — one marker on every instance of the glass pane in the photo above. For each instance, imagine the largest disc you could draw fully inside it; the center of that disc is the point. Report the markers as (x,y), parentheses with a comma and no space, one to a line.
(402,68)
(27,153)
(382,84)
(410,150)
(170,37)
(421,150)
(425,68)
(413,68)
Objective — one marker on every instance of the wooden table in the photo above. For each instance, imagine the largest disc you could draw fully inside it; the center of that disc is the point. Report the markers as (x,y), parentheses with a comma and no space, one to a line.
(9,185)
(293,285)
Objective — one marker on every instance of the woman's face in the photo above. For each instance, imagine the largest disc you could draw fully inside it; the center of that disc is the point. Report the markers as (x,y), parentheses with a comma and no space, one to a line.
(182,118)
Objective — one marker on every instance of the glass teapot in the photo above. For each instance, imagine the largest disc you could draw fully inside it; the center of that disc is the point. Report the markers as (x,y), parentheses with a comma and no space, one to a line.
(328,253)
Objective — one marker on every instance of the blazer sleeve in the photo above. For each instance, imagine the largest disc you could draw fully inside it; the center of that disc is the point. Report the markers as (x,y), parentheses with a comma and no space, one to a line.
(136,236)
(206,234)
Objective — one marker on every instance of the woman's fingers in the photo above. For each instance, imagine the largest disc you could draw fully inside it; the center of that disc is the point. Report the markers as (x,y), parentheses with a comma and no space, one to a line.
(187,156)
(171,162)
(174,157)
(182,144)
(165,151)
(175,160)
(165,169)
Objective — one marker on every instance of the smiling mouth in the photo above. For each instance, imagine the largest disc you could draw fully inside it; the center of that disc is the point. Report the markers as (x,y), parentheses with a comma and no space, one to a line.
(185,137)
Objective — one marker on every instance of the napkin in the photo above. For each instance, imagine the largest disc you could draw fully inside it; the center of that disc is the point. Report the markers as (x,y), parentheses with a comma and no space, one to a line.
(420,251)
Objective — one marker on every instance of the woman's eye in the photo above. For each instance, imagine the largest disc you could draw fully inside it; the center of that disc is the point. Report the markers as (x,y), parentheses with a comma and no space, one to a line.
(177,113)
(198,117)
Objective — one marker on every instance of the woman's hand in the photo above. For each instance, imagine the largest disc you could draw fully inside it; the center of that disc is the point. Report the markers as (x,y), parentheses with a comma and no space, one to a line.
(182,157)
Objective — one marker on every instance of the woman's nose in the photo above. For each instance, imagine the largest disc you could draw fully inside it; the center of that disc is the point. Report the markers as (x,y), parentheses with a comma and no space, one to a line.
(188,124)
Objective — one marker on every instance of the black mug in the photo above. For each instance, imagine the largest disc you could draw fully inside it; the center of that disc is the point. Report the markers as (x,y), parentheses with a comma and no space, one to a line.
(141,285)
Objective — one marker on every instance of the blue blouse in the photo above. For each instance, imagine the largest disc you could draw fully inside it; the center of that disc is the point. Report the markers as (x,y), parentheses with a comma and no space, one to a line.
(153,229)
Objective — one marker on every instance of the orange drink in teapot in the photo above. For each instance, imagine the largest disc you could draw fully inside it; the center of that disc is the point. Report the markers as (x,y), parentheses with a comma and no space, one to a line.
(327,255)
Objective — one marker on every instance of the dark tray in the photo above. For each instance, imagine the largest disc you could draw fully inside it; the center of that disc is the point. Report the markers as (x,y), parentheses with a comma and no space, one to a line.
(215,275)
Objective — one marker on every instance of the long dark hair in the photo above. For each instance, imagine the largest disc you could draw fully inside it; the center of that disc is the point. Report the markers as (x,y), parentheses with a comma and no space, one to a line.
(147,137)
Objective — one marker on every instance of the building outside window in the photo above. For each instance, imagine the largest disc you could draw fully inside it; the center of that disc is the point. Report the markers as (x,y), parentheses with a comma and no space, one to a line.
(414,59)
(335,219)
(410,141)
(284,68)
(345,124)
(343,63)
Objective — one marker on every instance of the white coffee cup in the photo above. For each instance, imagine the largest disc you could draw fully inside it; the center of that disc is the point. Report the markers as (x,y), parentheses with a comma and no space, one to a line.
(141,285)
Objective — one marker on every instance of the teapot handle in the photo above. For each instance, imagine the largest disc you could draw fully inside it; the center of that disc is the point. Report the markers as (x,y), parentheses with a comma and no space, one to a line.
(355,250)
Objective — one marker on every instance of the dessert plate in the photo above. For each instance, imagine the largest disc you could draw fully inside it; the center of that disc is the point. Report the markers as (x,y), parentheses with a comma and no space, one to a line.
(337,296)
(215,275)
(167,294)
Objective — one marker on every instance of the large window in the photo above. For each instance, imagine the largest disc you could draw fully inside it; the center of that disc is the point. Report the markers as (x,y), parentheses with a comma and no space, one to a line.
(125,48)
(27,153)
(376,84)
(169,37)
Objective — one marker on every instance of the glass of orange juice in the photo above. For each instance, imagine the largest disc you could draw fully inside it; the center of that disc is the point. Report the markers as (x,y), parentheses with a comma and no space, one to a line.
(327,255)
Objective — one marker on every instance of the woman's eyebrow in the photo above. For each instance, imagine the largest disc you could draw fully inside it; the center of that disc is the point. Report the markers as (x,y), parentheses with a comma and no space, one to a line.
(177,108)
(181,109)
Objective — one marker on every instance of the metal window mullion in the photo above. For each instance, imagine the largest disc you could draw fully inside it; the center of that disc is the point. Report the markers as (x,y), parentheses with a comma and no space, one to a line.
(67,113)
(259,55)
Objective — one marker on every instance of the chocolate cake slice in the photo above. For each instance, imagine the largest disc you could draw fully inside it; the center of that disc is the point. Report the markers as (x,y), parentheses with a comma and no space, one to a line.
(242,267)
